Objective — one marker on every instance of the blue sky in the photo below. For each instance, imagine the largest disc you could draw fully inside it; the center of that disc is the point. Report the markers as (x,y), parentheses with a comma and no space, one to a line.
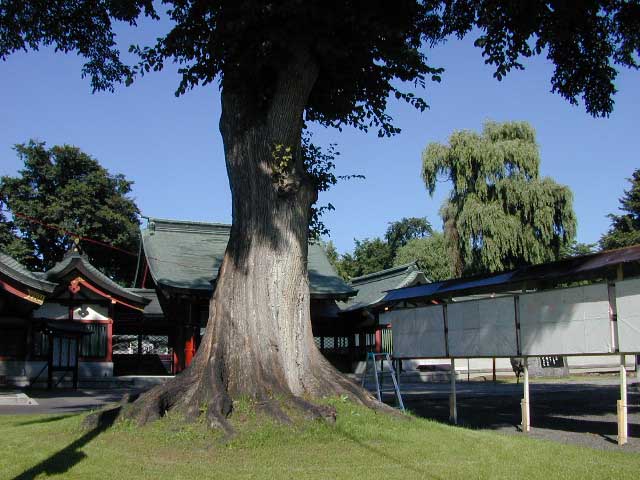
(171,147)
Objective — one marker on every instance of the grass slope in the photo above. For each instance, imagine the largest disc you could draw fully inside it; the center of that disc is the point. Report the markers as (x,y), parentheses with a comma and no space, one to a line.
(361,445)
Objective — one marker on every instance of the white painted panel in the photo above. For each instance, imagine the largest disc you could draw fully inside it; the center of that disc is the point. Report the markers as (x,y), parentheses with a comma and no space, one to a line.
(417,332)
(91,312)
(52,311)
(567,321)
(482,328)
(628,306)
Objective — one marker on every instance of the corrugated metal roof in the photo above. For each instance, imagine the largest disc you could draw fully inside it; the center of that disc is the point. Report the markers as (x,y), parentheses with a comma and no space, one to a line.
(574,269)
(188,255)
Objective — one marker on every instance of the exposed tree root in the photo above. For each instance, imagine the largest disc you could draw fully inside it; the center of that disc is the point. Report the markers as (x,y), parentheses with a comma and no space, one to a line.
(193,397)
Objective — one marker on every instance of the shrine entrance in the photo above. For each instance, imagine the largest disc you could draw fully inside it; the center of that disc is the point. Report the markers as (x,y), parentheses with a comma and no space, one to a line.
(64,350)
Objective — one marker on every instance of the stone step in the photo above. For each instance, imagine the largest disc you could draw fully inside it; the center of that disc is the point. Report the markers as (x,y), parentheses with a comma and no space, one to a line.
(16,399)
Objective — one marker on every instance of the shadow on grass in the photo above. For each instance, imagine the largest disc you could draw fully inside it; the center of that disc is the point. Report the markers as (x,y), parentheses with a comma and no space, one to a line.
(555,414)
(60,462)
(43,420)
(382,453)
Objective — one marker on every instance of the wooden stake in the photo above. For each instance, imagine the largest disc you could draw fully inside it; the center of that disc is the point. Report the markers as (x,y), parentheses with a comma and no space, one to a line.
(622,404)
(526,415)
(494,370)
(453,407)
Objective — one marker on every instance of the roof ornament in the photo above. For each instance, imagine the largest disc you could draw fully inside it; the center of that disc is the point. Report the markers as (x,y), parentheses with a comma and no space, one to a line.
(74,286)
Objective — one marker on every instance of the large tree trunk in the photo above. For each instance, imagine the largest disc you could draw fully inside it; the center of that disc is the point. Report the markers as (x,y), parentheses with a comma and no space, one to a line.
(259,341)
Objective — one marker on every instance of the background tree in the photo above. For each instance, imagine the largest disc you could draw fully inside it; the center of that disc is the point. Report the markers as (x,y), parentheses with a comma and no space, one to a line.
(369,255)
(64,187)
(400,232)
(625,228)
(10,242)
(500,213)
(430,254)
(373,255)
(576,249)
(281,64)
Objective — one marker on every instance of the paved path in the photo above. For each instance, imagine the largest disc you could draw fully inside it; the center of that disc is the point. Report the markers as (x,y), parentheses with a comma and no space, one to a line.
(65,401)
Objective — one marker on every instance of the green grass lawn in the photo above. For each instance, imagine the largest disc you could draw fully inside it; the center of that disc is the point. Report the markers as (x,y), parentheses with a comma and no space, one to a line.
(360,445)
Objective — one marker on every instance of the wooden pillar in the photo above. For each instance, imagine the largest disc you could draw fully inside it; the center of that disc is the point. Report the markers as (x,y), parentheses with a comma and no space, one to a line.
(109,352)
(524,404)
(109,357)
(139,368)
(494,369)
(453,405)
(50,362)
(77,340)
(622,404)
(189,346)
(378,348)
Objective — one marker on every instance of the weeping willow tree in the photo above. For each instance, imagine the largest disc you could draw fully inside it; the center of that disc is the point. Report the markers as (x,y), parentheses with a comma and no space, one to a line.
(500,214)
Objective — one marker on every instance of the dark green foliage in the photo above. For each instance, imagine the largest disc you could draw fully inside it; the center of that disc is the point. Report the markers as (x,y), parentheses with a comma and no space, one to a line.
(500,213)
(369,255)
(7,233)
(331,252)
(361,48)
(430,254)
(576,249)
(402,231)
(64,187)
(584,40)
(373,255)
(625,228)
(10,242)
(73,26)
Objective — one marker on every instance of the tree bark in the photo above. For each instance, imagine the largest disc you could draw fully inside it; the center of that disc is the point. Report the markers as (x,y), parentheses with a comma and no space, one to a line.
(259,341)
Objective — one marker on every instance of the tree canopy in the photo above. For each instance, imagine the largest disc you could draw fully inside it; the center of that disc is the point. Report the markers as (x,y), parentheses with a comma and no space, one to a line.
(65,188)
(500,214)
(625,228)
(430,254)
(359,48)
(404,230)
(375,254)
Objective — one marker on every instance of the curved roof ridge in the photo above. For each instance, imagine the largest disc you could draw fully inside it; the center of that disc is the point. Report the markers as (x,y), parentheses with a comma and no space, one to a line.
(373,290)
(75,260)
(166,224)
(389,272)
(14,269)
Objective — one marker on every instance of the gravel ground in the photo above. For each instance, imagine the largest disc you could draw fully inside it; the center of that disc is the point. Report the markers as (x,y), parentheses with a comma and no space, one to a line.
(581,412)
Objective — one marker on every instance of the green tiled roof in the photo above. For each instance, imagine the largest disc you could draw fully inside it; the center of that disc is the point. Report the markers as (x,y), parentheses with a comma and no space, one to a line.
(187,255)
(372,288)
(73,260)
(153,309)
(16,271)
